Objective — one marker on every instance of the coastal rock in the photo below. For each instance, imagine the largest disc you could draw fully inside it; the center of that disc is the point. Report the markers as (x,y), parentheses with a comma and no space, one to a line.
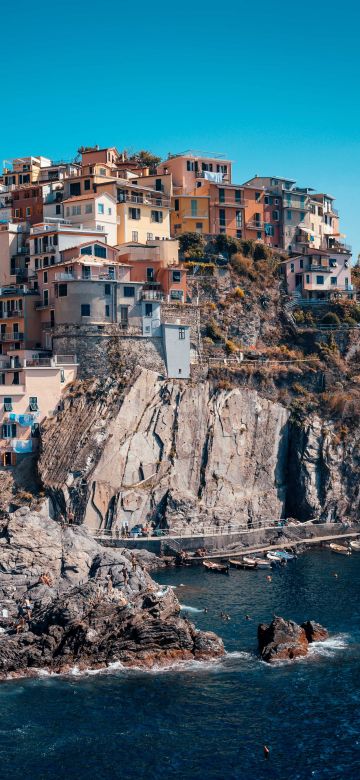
(89,606)
(314,631)
(282,640)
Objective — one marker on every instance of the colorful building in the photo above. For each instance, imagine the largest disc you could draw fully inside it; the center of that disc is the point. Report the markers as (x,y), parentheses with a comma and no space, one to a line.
(319,275)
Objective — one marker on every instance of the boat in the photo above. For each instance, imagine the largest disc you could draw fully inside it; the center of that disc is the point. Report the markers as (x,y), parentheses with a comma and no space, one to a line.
(283,555)
(218,568)
(355,545)
(242,563)
(340,549)
(262,563)
(275,558)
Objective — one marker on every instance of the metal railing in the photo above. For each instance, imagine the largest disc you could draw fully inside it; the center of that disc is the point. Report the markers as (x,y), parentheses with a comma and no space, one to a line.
(146,200)
(15,336)
(4,315)
(62,360)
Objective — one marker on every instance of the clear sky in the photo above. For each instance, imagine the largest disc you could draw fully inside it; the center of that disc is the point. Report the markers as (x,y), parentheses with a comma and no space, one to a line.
(275,86)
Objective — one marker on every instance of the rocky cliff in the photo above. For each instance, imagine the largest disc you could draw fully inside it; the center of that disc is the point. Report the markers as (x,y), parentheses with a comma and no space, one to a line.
(66,601)
(185,453)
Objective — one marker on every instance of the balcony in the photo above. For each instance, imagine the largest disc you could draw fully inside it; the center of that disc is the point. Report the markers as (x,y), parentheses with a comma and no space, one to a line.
(296,205)
(321,268)
(238,204)
(146,200)
(43,305)
(151,295)
(15,336)
(5,315)
(255,225)
(225,177)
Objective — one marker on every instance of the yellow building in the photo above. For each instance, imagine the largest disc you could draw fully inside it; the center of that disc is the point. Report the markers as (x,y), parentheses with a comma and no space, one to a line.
(143,214)
(190,213)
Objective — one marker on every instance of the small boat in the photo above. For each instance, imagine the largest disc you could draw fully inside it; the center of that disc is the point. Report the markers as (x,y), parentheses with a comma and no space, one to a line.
(340,549)
(217,568)
(275,558)
(355,546)
(243,563)
(262,563)
(284,555)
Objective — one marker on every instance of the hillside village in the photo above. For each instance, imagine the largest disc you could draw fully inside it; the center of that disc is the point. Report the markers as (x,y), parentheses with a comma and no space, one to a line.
(116,260)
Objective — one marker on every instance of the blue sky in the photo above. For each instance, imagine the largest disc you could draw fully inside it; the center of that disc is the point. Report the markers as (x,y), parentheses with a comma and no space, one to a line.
(272,85)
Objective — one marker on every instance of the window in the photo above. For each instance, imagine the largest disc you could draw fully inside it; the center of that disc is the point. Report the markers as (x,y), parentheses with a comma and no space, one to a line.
(148,309)
(85,309)
(45,276)
(28,211)
(109,211)
(319,280)
(158,185)
(333,280)
(199,227)
(176,295)
(221,195)
(177,204)
(149,236)
(102,171)
(100,208)
(100,251)
(75,210)
(46,297)
(238,219)
(150,276)
(9,431)
(107,310)
(190,165)
(176,276)
(88,208)
(156,216)
(292,267)
(134,213)
(108,289)
(258,234)
(194,206)
(58,208)
(237,196)
(307,278)
(302,216)
(129,292)
(75,188)
(181,333)
(301,262)
(135,236)
(62,375)
(86,272)
(33,403)
(7,404)
(17,212)
(257,197)
(87,184)
(86,250)
(289,215)
(222,218)
(62,290)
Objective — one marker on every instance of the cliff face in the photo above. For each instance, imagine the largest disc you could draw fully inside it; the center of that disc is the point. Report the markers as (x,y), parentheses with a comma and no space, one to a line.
(181,453)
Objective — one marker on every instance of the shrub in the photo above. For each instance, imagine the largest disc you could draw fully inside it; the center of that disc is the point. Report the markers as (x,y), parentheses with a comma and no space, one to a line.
(243,266)
(213,331)
(239,292)
(350,321)
(261,252)
(191,243)
(231,347)
(330,318)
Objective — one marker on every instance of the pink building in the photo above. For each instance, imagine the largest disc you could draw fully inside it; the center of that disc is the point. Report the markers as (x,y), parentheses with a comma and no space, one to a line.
(317,275)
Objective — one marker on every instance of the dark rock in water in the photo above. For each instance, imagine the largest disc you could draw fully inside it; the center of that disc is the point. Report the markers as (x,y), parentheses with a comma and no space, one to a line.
(314,631)
(281,640)
(90,606)
(286,640)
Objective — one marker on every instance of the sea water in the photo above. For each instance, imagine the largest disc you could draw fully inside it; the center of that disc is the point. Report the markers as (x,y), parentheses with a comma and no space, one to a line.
(208,720)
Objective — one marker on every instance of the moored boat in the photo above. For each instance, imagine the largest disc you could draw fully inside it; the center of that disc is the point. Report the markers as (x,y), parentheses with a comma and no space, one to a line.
(262,563)
(242,563)
(217,568)
(355,545)
(340,549)
(275,558)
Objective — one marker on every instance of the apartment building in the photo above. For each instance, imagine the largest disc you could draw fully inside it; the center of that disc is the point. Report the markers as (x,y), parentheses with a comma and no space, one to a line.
(189,169)
(31,386)
(143,214)
(319,275)
(156,265)
(23,170)
(14,253)
(94,212)
(190,213)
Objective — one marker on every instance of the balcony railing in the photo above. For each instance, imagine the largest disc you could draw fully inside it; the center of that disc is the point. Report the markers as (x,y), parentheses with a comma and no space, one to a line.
(64,360)
(152,295)
(255,225)
(5,315)
(15,336)
(43,305)
(146,200)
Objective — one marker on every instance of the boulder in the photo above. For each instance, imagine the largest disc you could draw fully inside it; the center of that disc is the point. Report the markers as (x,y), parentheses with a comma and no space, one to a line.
(281,640)
(314,631)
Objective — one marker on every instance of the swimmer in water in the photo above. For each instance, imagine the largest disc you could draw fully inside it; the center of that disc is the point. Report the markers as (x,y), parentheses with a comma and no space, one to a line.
(266,751)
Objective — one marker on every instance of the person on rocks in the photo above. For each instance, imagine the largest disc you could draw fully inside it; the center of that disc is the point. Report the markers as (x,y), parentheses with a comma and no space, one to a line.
(70,518)
(28,609)
(125,575)
(133,562)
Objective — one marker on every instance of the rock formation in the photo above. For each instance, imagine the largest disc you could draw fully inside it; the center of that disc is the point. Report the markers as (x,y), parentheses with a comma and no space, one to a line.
(88,606)
(286,640)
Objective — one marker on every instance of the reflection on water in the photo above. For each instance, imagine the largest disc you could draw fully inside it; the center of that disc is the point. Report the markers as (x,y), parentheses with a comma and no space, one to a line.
(208,720)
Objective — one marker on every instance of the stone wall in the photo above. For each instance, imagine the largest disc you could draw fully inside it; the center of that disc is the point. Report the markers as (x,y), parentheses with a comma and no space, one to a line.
(98,347)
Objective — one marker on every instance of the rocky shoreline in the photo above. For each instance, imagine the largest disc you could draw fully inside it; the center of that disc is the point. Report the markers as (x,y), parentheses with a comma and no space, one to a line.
(66,601)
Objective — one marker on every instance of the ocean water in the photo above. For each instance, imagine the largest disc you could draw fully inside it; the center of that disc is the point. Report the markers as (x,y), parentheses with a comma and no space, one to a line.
(208,721)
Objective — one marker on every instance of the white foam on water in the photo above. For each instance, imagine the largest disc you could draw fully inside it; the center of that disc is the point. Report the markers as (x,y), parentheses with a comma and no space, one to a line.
(190,609)
(330,646)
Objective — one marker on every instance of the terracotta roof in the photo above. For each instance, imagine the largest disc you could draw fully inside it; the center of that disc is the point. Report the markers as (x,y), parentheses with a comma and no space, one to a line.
(88,197)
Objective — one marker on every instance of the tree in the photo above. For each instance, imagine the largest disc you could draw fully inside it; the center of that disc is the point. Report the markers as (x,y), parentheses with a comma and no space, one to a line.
(192,244)
(226,245)
(145,159)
